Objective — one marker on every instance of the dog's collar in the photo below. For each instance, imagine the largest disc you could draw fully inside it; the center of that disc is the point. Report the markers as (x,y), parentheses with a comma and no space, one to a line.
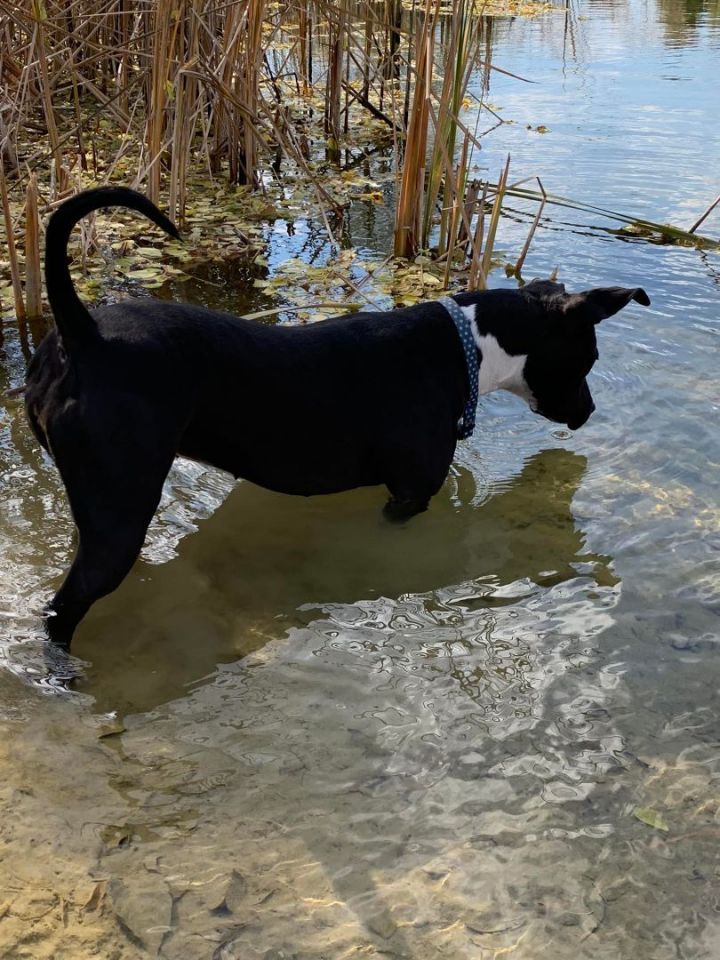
(466,424)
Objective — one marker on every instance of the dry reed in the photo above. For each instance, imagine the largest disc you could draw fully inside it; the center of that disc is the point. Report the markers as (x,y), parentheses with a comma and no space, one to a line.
(10,242)
(155,92)
(33,271)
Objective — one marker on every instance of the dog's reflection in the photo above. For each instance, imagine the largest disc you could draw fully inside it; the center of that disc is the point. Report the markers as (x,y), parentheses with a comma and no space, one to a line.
(242,579)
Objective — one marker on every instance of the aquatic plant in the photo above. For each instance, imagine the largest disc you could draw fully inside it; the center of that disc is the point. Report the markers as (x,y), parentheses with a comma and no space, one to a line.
(273,105)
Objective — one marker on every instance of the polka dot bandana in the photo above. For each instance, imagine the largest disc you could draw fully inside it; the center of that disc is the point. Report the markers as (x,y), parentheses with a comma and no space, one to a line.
(466,424)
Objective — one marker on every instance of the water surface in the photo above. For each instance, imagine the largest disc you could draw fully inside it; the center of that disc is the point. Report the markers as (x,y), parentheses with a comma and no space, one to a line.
(301,732)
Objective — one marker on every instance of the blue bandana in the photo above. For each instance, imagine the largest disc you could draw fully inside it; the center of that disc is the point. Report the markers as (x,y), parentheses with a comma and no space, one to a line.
(466,424)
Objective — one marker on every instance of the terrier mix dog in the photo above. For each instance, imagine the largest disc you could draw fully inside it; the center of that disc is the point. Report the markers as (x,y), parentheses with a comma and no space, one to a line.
(370,398)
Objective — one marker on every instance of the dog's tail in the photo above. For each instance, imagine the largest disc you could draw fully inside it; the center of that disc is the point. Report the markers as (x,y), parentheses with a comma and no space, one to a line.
(72,318)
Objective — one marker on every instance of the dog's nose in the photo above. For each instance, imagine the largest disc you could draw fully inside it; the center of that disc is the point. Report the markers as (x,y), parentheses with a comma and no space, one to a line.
(574,423)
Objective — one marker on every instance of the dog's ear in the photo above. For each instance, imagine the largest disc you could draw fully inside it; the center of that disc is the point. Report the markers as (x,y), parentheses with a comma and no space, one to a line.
(602,302)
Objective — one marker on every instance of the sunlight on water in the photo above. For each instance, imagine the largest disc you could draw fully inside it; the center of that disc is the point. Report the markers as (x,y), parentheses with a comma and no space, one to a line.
(299,732)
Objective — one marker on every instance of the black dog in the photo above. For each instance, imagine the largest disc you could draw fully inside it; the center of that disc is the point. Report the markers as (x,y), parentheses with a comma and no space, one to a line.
(369,398)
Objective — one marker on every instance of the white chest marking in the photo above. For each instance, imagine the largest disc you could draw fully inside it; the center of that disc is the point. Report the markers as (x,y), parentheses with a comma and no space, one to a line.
(498,370)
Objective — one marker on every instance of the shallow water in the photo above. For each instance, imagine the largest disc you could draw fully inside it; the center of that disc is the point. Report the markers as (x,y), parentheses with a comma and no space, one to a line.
(304,733)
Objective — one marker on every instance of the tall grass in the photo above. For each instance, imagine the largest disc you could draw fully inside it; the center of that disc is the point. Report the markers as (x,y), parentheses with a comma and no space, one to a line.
(180,87)
(411,169)
(33,281)
(10,244)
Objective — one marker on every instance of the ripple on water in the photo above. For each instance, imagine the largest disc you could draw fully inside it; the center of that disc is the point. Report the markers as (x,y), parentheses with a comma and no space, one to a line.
(432,743)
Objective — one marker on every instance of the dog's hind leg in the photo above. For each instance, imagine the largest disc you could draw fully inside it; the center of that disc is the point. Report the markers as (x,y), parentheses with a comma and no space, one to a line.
(114,481)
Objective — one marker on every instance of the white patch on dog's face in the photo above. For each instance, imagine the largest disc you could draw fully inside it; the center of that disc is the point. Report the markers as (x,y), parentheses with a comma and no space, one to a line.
(499,370)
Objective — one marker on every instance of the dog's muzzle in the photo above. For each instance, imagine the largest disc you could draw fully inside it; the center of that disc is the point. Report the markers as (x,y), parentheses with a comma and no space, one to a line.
(574,423)
(573,414)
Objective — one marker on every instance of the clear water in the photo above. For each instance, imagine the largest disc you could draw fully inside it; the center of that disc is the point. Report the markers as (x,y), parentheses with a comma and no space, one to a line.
(302,733)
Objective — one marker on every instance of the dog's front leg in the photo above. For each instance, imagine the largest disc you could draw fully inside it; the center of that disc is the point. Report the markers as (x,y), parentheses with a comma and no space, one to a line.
(396,509)
(416,473)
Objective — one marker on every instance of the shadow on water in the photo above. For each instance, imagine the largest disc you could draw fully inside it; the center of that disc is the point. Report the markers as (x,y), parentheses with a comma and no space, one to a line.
(264,563)
(347,769)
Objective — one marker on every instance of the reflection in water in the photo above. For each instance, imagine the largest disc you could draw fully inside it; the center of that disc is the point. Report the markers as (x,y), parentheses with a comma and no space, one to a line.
(682,19)
(264,563)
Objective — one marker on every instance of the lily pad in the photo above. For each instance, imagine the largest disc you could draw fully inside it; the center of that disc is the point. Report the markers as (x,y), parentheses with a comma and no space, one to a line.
(146,273)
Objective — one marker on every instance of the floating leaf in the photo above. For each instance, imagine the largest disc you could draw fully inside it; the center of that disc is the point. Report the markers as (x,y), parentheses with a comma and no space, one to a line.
(235,894)
(147,273)
(123,246)
(650,817)
(111,728)
(375,195)
(95,900)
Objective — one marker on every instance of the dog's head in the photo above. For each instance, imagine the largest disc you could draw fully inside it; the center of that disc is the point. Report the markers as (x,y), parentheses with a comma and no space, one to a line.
(560,358)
